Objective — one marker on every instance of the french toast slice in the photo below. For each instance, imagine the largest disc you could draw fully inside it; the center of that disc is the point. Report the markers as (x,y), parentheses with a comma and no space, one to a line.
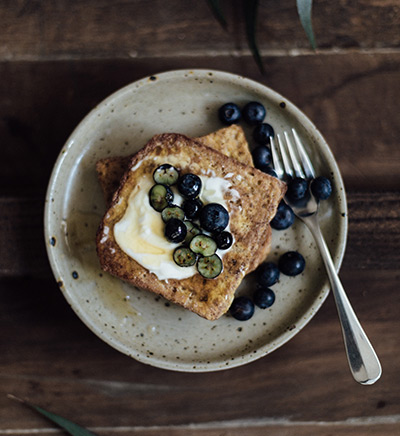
(109,174)
(252,200)
(228,140)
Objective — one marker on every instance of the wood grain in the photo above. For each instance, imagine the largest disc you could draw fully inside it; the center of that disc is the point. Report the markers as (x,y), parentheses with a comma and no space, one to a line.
(373,240)
(22,248)
(57,61)
(49,357)
(67,29)
(235,428)
(352,98)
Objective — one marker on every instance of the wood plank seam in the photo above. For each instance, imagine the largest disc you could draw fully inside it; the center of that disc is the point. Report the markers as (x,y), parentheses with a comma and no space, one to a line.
(225,425)
(199,53)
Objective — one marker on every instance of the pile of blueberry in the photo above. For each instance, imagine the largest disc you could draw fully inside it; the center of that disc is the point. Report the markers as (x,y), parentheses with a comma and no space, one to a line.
(291,263)
(200,228)
(253,113)
(299,190)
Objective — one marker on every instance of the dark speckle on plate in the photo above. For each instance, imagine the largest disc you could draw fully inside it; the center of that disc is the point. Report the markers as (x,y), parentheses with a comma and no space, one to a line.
(201,345)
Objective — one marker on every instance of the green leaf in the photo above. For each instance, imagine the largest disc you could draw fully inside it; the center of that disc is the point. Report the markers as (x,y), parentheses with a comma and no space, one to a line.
(69,426)
(217,11)
(304,10)
(250,8)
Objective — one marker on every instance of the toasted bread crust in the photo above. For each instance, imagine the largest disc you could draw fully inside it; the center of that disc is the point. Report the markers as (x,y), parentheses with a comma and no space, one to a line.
(230,141)
(109,173)
(250,214)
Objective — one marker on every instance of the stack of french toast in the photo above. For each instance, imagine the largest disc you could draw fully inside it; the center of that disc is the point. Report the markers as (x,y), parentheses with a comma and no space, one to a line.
(250,196)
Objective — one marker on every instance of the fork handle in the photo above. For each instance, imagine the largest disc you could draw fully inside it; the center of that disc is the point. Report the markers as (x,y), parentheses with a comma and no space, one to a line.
(364,364)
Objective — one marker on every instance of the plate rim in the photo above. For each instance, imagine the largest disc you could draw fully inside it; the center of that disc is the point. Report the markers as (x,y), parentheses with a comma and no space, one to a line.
(311,310)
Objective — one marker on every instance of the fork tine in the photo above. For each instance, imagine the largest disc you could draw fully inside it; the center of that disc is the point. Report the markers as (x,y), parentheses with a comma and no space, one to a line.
(307,165)
(286,163)
(276,160)
(295,161)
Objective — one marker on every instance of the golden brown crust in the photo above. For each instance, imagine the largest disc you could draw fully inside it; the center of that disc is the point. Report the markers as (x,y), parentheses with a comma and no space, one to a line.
(230,141)
(109,173)
(252,203)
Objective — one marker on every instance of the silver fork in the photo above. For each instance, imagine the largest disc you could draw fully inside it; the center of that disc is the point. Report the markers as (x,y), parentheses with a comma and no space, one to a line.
(363,361)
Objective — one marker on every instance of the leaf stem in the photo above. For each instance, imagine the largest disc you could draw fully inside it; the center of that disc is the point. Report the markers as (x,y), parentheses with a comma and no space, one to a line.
(217,12)
(67,425)
(250,8)
(304,10)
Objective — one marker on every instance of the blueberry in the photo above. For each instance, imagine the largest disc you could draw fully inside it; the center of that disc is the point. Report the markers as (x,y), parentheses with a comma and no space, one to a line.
(283,218)
(292,263)
(175,230)
(210,267)
(297,189)
(224,240)
(189,185)
(203,245)
(264,297)
(254,113)
(321,187)
(262,133)
(192,231)
(160,196)
(184,257)
(242,308)
(214,217)
(166,174)
(267,274)
(229,113)
(192,208)
(262,157)
(172,211)
(270,171)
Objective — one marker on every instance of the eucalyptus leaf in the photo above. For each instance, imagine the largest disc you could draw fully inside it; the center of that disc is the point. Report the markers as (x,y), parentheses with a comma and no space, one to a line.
(217,11)
(250,8)
(304,10)
(69,426)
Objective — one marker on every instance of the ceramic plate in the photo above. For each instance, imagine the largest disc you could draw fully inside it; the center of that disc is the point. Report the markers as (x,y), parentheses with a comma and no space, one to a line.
(137,322)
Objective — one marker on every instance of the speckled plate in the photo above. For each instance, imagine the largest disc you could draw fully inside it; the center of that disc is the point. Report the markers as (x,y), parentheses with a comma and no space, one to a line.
(134,321)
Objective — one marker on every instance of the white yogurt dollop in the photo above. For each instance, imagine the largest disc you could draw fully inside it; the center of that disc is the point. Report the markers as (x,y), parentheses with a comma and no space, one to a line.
(140,232)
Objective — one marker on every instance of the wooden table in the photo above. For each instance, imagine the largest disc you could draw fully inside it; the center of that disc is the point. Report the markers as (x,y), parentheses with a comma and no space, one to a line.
(57,61)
